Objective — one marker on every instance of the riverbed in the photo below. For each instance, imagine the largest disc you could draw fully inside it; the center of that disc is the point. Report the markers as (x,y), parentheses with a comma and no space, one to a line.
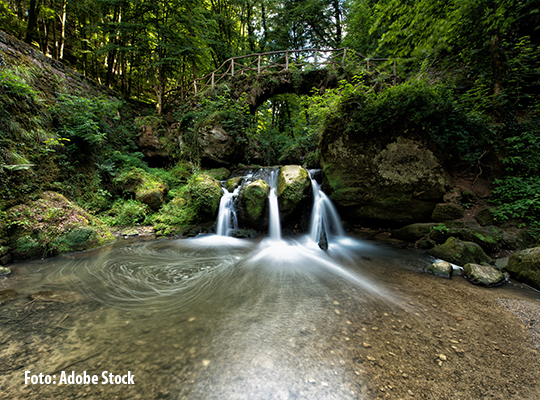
(223,318)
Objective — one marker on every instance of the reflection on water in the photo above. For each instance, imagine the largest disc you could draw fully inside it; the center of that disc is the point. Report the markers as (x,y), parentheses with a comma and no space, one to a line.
(218,318)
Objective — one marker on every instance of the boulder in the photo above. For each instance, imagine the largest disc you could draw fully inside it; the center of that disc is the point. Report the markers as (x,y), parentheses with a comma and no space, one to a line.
(220,174)
(447,212)
(254,202)
(219,147)
(483,275)
(413,232)
(51,226)
(146,188)
(441,268)
(459,252)
(485,217)
(5,255)
(293,185)
(233,183)
(205,193)
(395,177)
(149,144)
(524,265)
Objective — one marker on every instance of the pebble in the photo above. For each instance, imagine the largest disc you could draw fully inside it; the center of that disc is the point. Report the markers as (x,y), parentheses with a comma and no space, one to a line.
(442,357)
(357,372)
(370,358)
(191,319)
(205,363)
(336,303)
(374,328)
(410,392)
(337,311)
(348,322)
(366,345)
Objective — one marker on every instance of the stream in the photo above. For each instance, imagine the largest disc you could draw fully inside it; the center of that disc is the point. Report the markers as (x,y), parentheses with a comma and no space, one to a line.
(214,317)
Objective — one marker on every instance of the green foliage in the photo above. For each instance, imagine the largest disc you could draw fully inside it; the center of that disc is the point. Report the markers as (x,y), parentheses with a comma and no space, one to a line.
(126,213)
(85,121)
(413,106)
(519,198)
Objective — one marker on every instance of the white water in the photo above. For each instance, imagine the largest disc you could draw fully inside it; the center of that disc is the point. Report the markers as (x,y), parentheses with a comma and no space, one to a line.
(227,220)
(324,217)
(275,225)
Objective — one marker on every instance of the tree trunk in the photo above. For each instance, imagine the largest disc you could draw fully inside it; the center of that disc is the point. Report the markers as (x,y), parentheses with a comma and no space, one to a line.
(337,17)
(62,30)
(33,12)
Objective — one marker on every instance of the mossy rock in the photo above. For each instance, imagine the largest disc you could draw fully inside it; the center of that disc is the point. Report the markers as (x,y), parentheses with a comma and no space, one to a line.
(485,217)
(524,265)
(146,188)
(233,183)
(219,173)
(5,255)
(293,182)
(447,212)
(254,203)
(413,232)
(205,193)
(51,226)
(460,252)
(483,275)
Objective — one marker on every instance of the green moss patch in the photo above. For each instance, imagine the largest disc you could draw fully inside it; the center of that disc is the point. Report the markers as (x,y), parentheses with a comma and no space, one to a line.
(51,226)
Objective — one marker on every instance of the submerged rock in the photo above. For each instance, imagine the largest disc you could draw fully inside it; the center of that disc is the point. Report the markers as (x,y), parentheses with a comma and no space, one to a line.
(7,294)
(254,204)
(483,275)
(459,252)
(524,265)
(51,226)
(293,184)
(441,268)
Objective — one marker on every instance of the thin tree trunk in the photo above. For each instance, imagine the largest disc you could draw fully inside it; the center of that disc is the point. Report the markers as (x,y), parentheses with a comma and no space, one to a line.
(63,30)
(33,13)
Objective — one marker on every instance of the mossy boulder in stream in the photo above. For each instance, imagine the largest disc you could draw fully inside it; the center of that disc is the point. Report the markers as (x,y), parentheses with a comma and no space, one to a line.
(293,184)
(459,252)
(51,226)
(524,265)
(254,204)
(144,187)
(204,193)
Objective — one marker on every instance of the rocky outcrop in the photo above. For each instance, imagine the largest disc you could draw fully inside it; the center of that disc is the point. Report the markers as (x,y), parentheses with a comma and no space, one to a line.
(293,187)
(395,177)
(447,212)
(219,147)
(255,205)
(459,252)
(483,275)
(524,265)
(51,226)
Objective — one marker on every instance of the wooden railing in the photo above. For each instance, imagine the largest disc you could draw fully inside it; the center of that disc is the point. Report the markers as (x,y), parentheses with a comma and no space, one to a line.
(285,60)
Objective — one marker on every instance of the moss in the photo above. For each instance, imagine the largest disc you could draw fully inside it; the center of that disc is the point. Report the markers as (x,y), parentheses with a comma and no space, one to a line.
(413,232)
(293,181)
(459,252)
(219,173)
(524,265)
(233,183)
(51,226)
(254,200)
(146,188)
(205,193)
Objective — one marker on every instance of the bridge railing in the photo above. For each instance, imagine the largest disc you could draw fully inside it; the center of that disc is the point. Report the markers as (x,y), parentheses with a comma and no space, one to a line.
(284,60)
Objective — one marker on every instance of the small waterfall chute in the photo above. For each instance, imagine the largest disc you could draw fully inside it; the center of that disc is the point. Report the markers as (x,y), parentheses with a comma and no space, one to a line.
(274,225)
(325,221)
(227,221)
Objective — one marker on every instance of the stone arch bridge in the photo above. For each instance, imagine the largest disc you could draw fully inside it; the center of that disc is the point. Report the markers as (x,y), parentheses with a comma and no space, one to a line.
(264,75)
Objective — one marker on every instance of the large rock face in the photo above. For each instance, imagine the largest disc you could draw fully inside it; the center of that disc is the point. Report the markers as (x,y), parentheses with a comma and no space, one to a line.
(524,265)
(293,184)
(395,177)
(52,226)
(219,147)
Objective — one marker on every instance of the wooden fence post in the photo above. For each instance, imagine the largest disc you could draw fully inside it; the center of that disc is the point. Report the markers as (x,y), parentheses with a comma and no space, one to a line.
(195,85)
(344,57)
(286,61)
(259,64)
(232,67)
(213,79)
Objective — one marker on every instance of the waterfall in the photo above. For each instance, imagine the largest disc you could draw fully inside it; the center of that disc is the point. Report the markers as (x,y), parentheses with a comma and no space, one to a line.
(227,214)
(325,220)
(275,226)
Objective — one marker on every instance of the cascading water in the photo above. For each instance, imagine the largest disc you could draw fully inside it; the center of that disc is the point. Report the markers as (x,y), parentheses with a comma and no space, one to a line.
(325,220)
(274,226)
(227,220)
